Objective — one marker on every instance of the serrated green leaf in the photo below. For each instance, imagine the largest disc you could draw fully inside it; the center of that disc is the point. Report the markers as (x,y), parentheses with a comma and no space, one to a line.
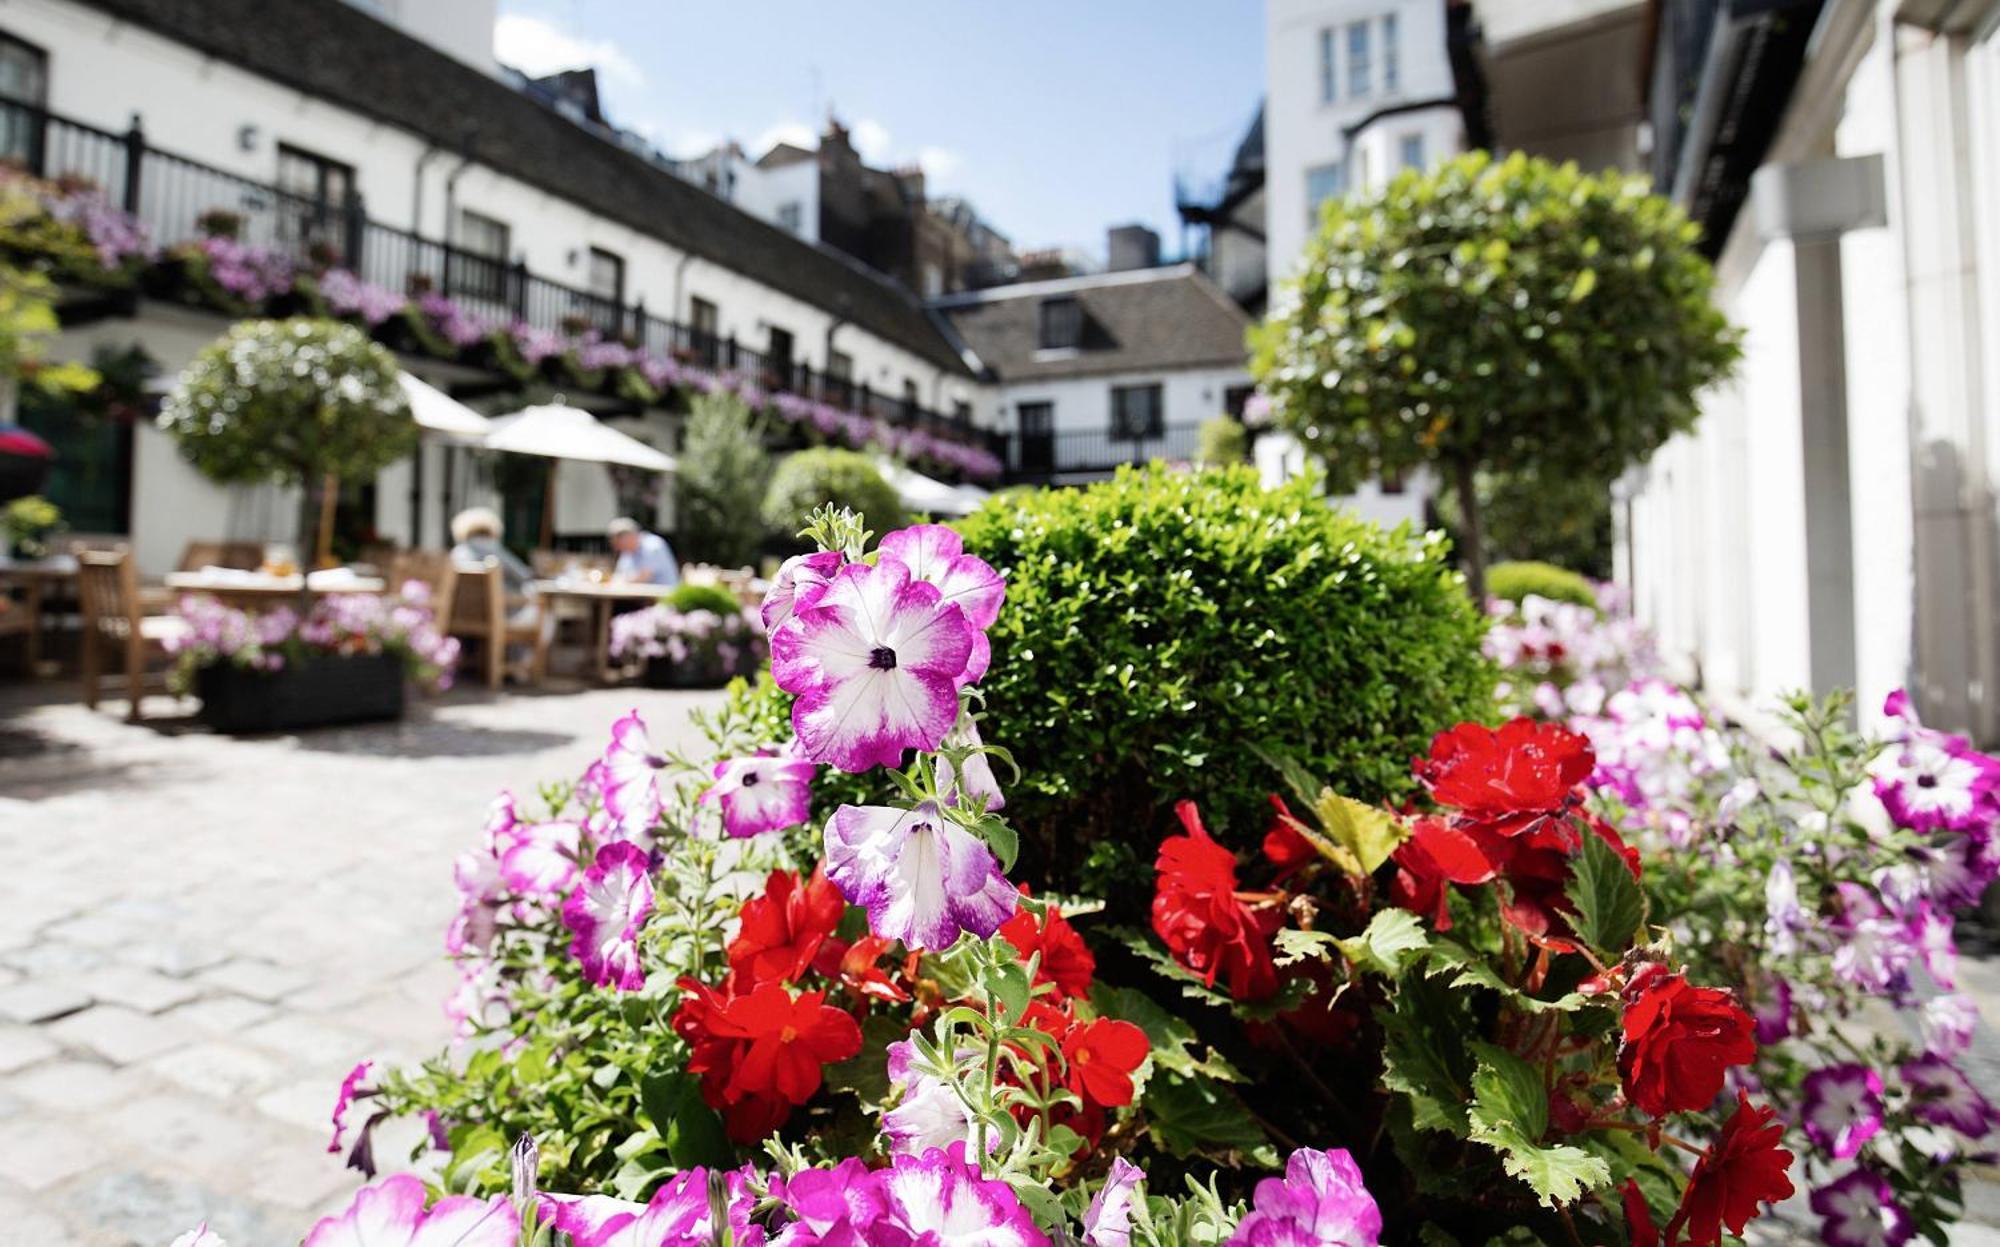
(1462,967)
(1187,1116)
(1423,1056)
(1558,1175)
(1393,939)
(1507,1091)
(1609,903)
(1510,1113)
(1172,1040)
(1294,946)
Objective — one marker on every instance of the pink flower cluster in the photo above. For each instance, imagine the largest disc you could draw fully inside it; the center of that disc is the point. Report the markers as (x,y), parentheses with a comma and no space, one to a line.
(1562,659)
(245,270)
(451,320)
(118,237)
(663,632)
(348,295)
(339,623)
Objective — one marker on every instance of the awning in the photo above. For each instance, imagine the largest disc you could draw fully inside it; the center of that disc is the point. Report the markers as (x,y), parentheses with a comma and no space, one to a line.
(559,431)
(439,412)
(925,494)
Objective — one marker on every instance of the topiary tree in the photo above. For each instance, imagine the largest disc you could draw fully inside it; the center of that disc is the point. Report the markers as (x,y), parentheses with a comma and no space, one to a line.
(1565,520)
(1510,315)
(1513,582)
(724,472)
(814,478)
(1222,441)
(295,402)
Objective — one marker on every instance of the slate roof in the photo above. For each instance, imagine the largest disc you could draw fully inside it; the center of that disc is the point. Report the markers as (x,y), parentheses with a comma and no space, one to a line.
(339,54)
(1148,320)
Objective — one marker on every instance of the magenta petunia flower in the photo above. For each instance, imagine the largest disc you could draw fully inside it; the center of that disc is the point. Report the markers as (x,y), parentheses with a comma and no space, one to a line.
(350,1090)
(1942,1095)
(606,911)
(1948,1022)
(875,665)
(834,1206)
(1108,1220)
(629,778)
(940,1199)
(539,859)
(1874,951)
(1773,1014)
(1930,780)
(800,583)
(1842,1108)
(1320,1202)
(936,555)
(922,878)
(392,1214)
(762,793)
(1860,1210)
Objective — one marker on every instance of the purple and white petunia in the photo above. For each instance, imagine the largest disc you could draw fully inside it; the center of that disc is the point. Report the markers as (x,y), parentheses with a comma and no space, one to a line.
(936,555)
(875,665)
(1948,1022)
(539,859)
(629,778)
(1108,1220)
(1320,1202)
(979,779)
(801,582)
(200,1236)
(931,1114)
(922,878)
(679,1213)
(392,1214)
(1842,1108)
(1773,1014)
(1874,951)
(941,1201)
(1860,1210)
(606,911)
(830,1206)
(1783,919)
(1942,1095)
(350,1091)
(1933,781)
(763,793)
(1931,934)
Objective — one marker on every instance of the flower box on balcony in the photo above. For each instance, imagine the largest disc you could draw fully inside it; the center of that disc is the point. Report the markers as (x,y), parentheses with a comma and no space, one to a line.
(317,691)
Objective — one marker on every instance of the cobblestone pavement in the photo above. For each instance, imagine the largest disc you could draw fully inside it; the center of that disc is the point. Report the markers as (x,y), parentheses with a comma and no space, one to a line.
(200,935)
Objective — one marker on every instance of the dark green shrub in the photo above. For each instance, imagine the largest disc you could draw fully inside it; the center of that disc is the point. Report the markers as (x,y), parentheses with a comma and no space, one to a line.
(1162,626)
(689,598)
(1511,582)
(845,478)
(723,475)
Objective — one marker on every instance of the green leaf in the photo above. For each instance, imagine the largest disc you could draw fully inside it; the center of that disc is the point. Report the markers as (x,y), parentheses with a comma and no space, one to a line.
(1002,839)
(865,1074)
(1187,1116)
(1609,903)
(689,1127)
(1423,1056)
(1510,1113)
(1389,943)
(1294,946)
(1467,968)
(1370,833)
(1507,1091)
(1586,281)
(1172,1040)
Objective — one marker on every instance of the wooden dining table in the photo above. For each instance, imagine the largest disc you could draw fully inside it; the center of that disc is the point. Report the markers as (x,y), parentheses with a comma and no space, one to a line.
(255,590)
(36,578)
(598,598)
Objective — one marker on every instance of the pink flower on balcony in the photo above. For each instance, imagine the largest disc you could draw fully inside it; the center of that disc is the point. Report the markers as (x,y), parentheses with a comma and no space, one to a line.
(392,1214)
(875,664)
(1320,1202)
(605,913)
(922,878)
(762,793)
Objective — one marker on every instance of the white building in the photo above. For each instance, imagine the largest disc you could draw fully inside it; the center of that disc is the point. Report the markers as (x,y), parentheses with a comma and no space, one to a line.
(1832,521)
(314,120)
(1105,369)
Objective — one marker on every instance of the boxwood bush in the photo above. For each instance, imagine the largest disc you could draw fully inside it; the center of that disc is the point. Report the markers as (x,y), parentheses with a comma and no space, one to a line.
(825,474)
(690,598)
(1511,582)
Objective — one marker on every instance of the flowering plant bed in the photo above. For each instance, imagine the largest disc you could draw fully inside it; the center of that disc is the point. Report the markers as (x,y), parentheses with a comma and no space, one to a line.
(699,648)
(344,662)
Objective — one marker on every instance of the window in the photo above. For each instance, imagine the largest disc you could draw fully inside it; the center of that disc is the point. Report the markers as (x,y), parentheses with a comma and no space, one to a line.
(1413,151)
(24,79)
(1328,55)
(1357,60)
(1061,326)
(1136,412)
(318,192)
(703,322)
(910,403)
(1392,70)
(961,412)
(1037,444)
(607,276)
(778,355)
(840,365)
(1324,182)
(484,244)
(792,216)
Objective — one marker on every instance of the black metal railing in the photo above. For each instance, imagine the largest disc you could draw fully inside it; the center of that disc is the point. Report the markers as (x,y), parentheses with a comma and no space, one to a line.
(1046,456)
(180,200)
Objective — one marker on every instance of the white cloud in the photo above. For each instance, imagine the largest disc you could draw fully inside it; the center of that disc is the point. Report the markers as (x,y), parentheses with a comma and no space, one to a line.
(537,48)
(797,133)
(871,139)
(939,162)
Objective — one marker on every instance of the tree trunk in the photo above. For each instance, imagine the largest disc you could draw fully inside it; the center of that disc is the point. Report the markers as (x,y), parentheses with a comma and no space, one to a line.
(1471,540)
(311,484)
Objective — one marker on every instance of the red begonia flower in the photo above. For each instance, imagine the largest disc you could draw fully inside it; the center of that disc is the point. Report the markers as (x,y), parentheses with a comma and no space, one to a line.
(1743,1168)
(1205,926)
(1067,961)
(1679,1040)
(1506,781)
(781,931)
(1284,845)
(762,1053)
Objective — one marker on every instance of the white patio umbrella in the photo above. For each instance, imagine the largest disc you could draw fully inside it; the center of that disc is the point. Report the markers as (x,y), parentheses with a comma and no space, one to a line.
(559,431)
(439,412)
(923,493)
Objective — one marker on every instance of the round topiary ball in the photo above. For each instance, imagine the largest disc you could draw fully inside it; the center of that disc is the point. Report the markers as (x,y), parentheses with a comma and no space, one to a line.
(1511,582)
(813,478)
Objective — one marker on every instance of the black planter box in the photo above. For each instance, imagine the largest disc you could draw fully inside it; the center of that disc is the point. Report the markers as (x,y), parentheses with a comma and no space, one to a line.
(320,691)
(699,671)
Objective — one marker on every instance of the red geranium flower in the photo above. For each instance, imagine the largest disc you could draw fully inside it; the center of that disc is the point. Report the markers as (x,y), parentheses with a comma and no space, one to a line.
(1099,1059)
(782,931)
(761,1054)
(1506,781)
(1743,1168)
(1067,961)
(1205,925)
(855,965)
(1678,1042)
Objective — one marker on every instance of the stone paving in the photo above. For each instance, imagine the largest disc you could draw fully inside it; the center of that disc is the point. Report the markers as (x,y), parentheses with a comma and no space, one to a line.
(200,935)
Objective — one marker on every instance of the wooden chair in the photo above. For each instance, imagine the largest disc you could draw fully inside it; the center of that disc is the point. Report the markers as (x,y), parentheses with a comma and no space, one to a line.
(113,617)
(246,556)
(481,611)
(434,569)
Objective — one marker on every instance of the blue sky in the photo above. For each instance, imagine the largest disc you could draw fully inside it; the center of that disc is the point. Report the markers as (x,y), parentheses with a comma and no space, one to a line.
(1055,119)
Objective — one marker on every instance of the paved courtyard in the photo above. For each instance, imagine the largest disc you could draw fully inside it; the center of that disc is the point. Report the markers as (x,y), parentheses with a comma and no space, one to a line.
(199,936)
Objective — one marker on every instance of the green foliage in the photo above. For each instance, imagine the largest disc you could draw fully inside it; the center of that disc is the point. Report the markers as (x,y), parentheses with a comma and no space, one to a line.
(1512,582)
(690,598)
(290,401)
(723,474)
(28,522)
(1565,520)
(1510,1113)
(28,328)
(1162,626)
(1223,441)
(809,479)
(1609,904)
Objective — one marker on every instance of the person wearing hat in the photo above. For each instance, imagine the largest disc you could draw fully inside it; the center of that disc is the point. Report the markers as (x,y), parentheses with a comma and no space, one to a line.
(643,558)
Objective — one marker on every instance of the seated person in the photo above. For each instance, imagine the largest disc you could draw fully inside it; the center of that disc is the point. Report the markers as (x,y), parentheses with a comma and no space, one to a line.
(477,532)
(643,558)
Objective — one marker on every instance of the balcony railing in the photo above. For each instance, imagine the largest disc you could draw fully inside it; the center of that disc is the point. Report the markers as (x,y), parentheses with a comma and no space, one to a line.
(175,198)
(1088,452)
